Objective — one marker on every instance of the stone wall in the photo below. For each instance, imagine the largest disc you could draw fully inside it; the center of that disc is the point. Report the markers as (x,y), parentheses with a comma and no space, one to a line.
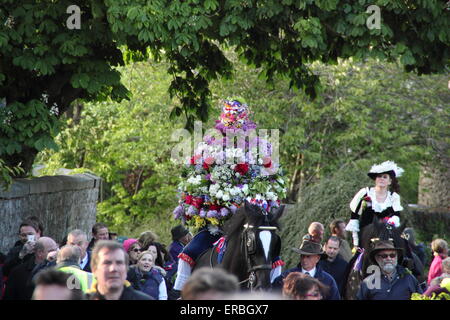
(63,203)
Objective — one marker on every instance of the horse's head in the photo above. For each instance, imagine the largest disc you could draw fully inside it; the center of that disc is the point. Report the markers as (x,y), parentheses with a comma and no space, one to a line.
(260,244)
(380,230)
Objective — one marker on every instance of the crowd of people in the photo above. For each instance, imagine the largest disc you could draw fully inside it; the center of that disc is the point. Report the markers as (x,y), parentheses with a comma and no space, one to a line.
(39,268)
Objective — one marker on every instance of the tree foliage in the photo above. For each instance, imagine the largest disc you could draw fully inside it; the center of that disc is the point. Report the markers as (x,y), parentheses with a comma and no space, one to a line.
(45,66)
(128,145)
(372,108)
(282,37)
(369,110)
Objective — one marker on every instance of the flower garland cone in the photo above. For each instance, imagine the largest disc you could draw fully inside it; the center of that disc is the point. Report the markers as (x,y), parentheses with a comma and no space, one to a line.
(214,187)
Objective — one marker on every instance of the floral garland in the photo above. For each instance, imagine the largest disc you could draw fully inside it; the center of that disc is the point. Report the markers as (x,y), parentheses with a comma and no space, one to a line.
(212,189)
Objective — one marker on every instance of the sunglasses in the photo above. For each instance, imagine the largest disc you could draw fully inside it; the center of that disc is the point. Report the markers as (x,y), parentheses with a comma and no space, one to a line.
(384,256)
(136,250)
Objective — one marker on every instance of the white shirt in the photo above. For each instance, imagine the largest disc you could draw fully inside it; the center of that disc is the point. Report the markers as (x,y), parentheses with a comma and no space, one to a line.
(311,272)
(84,262)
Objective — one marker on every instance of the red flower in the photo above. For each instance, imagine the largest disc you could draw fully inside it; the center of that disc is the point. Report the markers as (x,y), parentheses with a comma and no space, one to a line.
(267,162)
(188,200)
(242,168)
(367,198)
(197,202)
(194,159)
(214,207)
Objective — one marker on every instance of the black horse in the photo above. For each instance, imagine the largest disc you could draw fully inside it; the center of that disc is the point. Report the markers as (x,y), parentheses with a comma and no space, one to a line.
(373,232)
(251,244)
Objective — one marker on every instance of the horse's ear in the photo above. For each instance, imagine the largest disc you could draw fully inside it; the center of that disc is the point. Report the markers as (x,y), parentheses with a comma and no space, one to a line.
(248,207)
(277,213)
(250,210)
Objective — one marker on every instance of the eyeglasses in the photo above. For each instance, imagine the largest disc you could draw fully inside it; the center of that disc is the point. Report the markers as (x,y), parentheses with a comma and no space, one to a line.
(384,256)
(136,250)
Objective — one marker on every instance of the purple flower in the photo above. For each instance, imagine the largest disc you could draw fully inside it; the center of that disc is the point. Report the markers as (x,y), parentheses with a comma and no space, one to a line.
(178,212)
(212,214)
(224,212)
(274,204)
(202,213)
(233,208)
(192,211)
(208,176)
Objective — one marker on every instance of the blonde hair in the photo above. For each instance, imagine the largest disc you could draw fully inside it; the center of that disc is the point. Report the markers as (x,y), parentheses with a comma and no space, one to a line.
(144,253)
(439,246)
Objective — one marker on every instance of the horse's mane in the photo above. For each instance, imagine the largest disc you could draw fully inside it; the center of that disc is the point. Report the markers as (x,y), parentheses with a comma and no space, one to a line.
(381,231)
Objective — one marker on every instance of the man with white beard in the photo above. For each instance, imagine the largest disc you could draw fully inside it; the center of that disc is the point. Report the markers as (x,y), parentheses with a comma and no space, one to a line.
(388,280)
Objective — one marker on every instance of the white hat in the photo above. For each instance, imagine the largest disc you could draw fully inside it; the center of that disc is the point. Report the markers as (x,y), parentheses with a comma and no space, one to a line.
(385,167)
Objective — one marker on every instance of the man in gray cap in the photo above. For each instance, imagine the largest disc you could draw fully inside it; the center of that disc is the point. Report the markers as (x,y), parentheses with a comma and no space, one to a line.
(310,254)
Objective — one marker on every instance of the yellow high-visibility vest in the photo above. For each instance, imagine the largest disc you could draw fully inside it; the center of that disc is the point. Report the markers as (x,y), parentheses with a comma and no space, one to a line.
(82,280)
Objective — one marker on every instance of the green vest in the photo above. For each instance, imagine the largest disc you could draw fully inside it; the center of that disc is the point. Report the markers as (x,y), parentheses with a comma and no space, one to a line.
(81,280)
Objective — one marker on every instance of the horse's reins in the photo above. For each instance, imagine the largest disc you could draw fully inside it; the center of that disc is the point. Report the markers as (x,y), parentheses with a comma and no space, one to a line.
(252,277)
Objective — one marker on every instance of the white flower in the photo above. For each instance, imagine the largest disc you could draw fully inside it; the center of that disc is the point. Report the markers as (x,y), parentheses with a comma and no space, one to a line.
(271,196)
(245,189)
(235,191)
(219,194)
(226,197)
(195,180)
(213,189)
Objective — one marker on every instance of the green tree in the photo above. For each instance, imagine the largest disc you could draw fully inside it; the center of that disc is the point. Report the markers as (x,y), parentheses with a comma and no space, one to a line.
(45,66)
(127,144)
(369,110)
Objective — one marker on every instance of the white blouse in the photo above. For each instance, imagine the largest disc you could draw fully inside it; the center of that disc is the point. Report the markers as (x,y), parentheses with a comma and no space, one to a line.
(392,200)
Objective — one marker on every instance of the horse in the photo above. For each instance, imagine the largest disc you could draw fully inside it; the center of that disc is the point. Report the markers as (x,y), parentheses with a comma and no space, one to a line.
(373,232)
(251,244)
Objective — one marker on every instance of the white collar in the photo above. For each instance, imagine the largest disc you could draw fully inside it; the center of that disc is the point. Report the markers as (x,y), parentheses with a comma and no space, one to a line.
(380,206)
(311,272)
(84,262)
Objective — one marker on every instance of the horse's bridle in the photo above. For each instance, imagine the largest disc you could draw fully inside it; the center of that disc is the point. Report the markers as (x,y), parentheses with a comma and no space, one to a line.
(249,244)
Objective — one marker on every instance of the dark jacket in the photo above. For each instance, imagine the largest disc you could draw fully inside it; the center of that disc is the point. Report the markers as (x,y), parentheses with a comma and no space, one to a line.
(128,293)
(337,269)
(175,249)
(12,259)
(401,287)
(148,282)
(320,275)
(19,285)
